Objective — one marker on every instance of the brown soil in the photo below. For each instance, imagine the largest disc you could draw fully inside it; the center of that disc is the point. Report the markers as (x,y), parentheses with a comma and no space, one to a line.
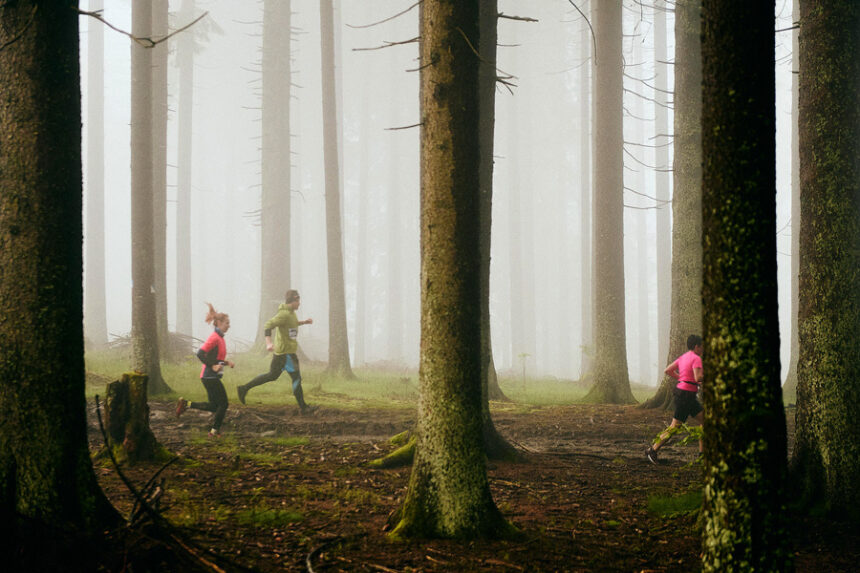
(580,500)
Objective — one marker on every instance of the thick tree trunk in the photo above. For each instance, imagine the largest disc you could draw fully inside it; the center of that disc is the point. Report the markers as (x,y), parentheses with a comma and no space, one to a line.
(448,493)
(94,293)
(144,332)
(744,431)
(826,460)
(127,420)
(686,315)
(46,475)
(611,381)
(338,346)
(275,207)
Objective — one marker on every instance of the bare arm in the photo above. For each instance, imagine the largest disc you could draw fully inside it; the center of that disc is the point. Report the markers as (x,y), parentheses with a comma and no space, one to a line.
(672,370)
(697,372)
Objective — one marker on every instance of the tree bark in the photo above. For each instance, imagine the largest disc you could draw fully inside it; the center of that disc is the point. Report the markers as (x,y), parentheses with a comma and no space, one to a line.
(46,475)
(448,493)
(611,380)
(686,315)
(144,329)
(826,463)
(338,347)
(744,429)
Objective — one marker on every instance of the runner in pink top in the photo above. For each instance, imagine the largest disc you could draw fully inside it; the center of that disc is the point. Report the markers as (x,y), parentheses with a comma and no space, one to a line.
(686,365)
(687,370)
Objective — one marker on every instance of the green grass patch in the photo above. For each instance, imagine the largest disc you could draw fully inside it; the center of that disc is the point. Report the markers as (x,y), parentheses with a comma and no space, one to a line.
(377,388)
(667,506)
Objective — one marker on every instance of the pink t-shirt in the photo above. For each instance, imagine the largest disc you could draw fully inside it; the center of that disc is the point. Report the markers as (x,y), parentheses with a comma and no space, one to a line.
(686,376)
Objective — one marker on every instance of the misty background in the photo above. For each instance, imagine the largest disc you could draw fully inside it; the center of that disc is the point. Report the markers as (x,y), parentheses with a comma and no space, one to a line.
(542,123)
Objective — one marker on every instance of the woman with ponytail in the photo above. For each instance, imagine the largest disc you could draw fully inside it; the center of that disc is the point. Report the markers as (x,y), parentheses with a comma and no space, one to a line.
(212,354)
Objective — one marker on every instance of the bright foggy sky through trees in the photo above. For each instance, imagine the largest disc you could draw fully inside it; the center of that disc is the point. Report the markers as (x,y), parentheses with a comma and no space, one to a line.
(537,152)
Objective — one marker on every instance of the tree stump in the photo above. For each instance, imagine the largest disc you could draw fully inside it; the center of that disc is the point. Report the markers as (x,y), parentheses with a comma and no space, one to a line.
(127,419)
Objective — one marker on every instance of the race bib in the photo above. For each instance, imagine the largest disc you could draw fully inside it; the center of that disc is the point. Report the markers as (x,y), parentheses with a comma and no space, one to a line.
(294,332)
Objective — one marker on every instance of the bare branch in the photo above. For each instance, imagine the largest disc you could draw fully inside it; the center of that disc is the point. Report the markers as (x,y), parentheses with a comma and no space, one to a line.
(388,45)
(519,18)
(146,42)
(385,20)
(593,39)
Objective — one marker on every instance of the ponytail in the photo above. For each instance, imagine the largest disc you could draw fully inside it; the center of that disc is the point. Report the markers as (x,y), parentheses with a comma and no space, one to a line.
(213,316)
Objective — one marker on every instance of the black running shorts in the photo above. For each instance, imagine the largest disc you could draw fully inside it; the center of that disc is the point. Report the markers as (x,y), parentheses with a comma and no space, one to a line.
(686,404)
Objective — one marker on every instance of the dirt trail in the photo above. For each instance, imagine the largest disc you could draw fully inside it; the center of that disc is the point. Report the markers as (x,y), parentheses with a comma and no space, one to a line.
(264,499)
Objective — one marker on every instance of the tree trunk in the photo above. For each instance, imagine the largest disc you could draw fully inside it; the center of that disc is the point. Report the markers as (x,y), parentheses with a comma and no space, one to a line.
(185,63)
(789,389)
(486,125)
(338,347)
(448,493)
(144,333)
(275,208)
(611,381)
(94,293)
(826,461)
(127,420)
(159,174)
(744,431)
(587,302)
(686,315)
(662,183)
(46,474)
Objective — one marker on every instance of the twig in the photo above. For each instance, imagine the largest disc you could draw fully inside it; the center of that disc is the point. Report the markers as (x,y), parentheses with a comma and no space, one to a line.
(388,45)
(309,559)
(593,38)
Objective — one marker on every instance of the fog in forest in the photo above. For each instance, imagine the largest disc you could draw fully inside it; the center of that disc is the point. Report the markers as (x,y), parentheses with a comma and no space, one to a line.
(542,123)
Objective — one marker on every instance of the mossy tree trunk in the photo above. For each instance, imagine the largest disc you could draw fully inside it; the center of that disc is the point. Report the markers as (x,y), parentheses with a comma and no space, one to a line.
(686,306)
(144,329)
(338,340)
(826,460)
(448,493)
(744,433)
(46,476)
(611,380)
(275,203)
(127,419)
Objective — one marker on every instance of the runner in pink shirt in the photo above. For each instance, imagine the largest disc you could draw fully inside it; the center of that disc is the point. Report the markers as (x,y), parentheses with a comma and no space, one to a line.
(687,370)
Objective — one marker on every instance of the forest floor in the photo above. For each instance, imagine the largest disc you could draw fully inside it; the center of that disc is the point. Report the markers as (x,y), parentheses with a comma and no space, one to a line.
(279,491)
